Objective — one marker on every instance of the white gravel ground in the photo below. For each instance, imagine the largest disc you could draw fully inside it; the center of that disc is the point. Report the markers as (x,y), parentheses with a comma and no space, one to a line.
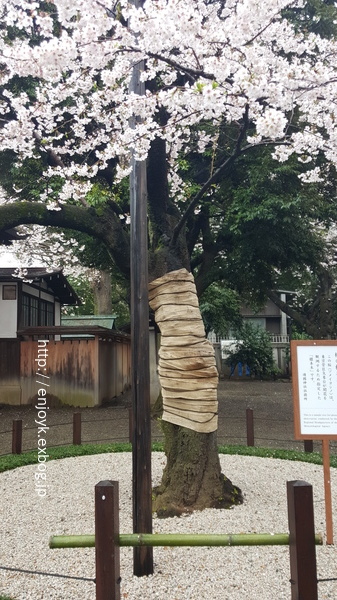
(180,573)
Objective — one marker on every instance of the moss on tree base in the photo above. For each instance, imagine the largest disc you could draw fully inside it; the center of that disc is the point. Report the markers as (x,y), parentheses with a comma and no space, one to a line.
(167,506)
(192,479)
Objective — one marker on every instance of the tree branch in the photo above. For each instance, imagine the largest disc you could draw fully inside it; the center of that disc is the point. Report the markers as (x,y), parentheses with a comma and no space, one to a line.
(193,73)
(214,178)
(291,312)
(105,227)
(157,190)
(55,160)
(271,21)
(193,232)
(210,250)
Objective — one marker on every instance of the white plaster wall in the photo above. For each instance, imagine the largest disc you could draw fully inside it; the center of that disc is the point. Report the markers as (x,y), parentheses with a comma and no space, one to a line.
(57,318)
(8,316)
(30,290)
(283,317)
(57,313)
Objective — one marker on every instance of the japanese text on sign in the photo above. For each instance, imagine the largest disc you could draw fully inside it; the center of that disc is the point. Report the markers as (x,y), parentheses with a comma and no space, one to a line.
(317,386)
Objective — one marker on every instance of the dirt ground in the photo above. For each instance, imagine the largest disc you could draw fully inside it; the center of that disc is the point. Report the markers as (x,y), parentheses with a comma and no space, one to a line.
(271,402)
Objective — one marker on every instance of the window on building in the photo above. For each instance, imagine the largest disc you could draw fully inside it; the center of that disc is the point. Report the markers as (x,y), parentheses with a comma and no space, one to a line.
(9,292)
(36,312)
(43,312)
(257,322)
(25,310)
(50,320)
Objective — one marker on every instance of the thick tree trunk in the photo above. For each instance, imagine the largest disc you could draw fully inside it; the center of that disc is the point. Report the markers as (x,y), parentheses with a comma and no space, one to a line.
(192,478)
(187,368)
(102,290)
(321,317)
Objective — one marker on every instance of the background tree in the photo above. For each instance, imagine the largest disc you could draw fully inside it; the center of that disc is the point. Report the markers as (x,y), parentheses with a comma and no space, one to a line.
(100,287)
(280,235)
(220,309)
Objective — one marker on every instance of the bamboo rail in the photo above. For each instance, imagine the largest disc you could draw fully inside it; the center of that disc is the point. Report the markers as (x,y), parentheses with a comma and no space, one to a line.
(107,540)
(180,539)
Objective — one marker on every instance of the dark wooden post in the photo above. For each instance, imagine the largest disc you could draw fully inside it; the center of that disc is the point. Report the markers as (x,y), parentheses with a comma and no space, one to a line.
(17,437)
(250,426)
(308,446)
(107,541)
(140,369)
(77,428)
(303,570)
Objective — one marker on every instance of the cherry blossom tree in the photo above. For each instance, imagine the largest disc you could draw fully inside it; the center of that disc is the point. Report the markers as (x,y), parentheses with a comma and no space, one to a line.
(223,78)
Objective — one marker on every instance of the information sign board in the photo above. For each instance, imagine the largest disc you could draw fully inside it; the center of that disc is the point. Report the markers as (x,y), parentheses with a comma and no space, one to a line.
(314,377)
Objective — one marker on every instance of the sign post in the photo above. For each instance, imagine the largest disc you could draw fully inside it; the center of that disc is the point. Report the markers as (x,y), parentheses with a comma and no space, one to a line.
(314,376)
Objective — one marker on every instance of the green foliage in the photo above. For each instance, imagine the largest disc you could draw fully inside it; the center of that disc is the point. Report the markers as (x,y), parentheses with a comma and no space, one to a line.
(220,309)
(91,252)
(84,291)
(253,349)
(309,457)
(317,16)
(296,334)
(299,335)
(12,461)
(24,181)
(119,296)
(264,225)
(28,84)
(258,217)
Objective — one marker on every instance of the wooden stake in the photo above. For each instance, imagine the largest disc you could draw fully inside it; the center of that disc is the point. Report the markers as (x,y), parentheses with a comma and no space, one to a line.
(106,541)
(303,570)
(17,437)
(77,429)
(308,446)
(327,490)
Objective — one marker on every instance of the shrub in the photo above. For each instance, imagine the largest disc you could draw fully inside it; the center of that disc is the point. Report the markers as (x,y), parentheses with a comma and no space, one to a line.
(254,350)
(295,335)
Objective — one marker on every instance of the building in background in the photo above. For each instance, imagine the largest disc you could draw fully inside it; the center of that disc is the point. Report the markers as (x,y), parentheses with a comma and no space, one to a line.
(86,363)
(271,319)
(32,299)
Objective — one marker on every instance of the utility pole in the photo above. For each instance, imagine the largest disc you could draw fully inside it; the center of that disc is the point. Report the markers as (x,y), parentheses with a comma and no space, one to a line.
(140,379)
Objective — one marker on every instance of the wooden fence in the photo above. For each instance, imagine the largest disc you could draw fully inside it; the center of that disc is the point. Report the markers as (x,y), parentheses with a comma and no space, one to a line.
(107,541)
(78,372)
(127,425)
(10,389)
